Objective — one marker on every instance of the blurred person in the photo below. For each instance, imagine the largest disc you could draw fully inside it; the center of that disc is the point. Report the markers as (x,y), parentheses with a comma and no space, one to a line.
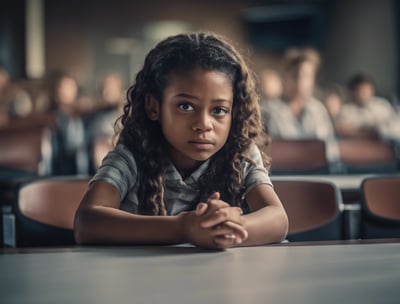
(299,114)
(334,97)
(71,152)
(271,86)
(100,123)
(109,106)
(367,114)
(15,102)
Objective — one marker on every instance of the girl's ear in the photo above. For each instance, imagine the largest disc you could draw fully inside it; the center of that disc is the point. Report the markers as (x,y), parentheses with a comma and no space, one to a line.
(152,107)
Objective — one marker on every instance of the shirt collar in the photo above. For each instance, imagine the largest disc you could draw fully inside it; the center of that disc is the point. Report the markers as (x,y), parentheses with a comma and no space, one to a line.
(173,174)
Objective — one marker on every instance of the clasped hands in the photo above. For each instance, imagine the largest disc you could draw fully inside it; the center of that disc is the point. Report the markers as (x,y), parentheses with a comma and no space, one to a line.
(214,224)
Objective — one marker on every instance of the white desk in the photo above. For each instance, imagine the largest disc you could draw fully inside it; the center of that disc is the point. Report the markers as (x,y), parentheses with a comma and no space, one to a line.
(341,273)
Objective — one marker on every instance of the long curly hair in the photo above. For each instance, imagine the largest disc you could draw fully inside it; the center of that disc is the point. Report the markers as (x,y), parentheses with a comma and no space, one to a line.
(145,139)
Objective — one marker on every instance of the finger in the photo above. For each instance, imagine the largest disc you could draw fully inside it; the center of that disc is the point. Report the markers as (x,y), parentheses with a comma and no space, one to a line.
(221,215)
(238,230)
(214,196)
(201,208)
(230,229)
(226,241)
(214,205)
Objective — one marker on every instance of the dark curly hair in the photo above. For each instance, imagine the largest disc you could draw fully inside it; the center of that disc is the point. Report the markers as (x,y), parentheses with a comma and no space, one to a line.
(145,139)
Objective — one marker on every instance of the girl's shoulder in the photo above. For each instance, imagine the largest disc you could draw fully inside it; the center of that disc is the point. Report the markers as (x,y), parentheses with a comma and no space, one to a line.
(120,154)
(254,156)
(119,168)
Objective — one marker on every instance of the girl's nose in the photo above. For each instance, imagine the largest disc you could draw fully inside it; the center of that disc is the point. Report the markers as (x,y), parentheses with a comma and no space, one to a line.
(202,123)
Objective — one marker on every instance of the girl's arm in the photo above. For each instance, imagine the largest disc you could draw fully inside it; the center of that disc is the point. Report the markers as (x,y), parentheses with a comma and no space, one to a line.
(99,220)
(267,221)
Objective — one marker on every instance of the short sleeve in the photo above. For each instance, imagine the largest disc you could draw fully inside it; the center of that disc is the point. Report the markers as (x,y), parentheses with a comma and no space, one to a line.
(119,169)
(255,173)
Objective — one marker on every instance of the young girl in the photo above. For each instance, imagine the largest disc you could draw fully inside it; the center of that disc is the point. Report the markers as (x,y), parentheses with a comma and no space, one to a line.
(186,167)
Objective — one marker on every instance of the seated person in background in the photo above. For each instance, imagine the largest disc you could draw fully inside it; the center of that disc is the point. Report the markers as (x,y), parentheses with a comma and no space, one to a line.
(110,103)
(299,115)
(271,87)
(100,123)
(333,97)
(15,102)
(71,152)
(367,115)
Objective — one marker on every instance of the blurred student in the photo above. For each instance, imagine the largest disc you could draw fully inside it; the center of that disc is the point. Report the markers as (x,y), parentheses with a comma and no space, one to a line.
(271,87)
(187,167)
(299,114)
(367,115)
(71,151)
(100,123)
(15,102)
(109,106)
(334,97)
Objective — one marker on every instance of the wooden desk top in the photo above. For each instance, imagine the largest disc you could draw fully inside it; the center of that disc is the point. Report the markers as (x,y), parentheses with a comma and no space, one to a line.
(341,272)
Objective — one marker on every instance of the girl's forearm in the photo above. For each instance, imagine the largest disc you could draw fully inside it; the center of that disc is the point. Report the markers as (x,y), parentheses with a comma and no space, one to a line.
(105,225)
(266,225)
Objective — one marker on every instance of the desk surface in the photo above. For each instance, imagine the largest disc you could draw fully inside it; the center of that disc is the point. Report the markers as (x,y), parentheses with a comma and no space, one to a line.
(335,273)
(344,182)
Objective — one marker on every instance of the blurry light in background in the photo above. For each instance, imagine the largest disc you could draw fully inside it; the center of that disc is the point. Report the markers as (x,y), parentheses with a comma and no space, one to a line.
(35,66)
(120,46)
(159,30)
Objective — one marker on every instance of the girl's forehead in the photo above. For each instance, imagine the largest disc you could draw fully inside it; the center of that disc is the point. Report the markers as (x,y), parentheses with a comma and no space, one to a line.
(200,83)
(198,76)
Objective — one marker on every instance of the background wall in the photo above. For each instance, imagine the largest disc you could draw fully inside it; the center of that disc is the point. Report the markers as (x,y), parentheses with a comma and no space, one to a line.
(91,37)
(364,36)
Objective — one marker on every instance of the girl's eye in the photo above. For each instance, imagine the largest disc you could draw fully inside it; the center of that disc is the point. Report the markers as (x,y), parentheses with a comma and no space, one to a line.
(220,111)
(185,107)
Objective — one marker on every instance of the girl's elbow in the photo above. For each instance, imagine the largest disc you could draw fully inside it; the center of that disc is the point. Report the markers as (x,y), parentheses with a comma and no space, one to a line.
(280,227)
(81,228)
(283,226)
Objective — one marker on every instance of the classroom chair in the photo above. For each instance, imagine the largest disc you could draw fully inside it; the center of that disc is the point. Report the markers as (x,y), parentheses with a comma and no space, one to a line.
(380,207)
(364,155)
(26,150)
(45,209)
(298,156)
(314,209)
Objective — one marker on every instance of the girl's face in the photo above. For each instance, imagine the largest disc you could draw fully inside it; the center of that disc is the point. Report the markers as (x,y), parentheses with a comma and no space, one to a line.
(195,115)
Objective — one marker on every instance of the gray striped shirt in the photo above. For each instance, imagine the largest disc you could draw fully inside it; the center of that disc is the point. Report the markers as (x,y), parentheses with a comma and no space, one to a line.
(119,169)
